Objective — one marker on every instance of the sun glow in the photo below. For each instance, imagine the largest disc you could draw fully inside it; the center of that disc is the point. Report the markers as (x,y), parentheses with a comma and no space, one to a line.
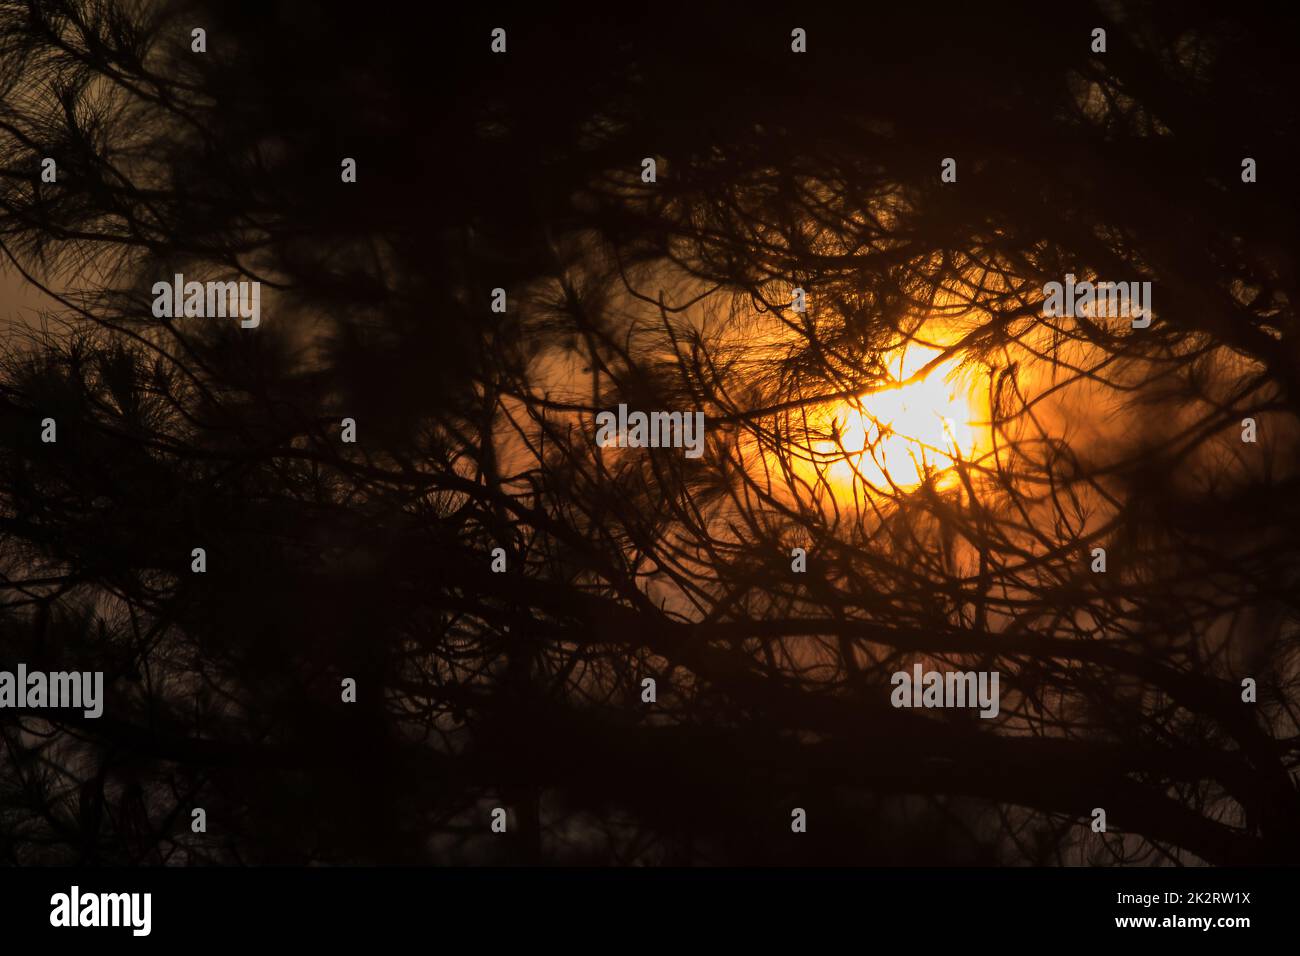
(893,438)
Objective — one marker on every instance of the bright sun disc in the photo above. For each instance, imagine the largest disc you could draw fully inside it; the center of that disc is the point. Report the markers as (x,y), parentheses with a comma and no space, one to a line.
(896,436)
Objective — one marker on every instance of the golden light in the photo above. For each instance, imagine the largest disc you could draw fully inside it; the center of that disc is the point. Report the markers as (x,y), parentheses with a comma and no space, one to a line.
(893,438)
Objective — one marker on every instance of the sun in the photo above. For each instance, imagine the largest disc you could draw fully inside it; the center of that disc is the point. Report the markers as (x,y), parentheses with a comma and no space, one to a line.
(893,438)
